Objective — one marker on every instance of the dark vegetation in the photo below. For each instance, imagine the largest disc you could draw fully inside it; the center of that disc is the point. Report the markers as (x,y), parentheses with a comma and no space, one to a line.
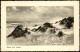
(56,22)
(44,27)
(35,25)
(48,25)
(52,31)
(60,34)
(68,22)
(19,32)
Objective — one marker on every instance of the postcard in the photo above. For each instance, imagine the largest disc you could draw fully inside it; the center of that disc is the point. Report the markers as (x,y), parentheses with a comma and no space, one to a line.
(40,26)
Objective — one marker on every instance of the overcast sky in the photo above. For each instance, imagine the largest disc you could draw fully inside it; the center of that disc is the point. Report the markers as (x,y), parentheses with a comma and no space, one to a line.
(38,13)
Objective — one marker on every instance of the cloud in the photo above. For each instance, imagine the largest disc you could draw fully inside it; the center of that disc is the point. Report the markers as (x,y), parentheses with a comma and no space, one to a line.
(54,11)
(24,12)
(48,13)
(32,7)
(40,13)
(9,13)
(40,9)
(8,9)
(14,8)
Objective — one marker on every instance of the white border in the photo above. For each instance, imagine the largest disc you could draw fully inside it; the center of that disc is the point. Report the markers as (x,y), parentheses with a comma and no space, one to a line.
(74,47)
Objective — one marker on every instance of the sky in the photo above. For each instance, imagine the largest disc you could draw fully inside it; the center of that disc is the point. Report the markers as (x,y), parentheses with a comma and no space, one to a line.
(38,13)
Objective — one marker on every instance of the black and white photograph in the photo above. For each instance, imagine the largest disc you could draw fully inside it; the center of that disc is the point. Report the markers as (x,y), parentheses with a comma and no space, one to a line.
(40,25)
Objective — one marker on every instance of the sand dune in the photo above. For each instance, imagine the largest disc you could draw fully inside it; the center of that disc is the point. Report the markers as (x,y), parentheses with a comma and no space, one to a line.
(50,37)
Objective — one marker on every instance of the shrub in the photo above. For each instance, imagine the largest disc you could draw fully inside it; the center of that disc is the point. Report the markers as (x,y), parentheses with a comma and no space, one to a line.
(63,21)
(68,22)
(52,31)
(69,25)
(18,32)
(42,29)
(47,25)
(60,34)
